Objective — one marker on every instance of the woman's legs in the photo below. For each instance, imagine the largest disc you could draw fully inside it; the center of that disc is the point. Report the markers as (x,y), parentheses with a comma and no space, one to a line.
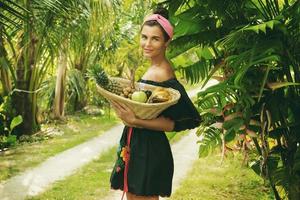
(131,196)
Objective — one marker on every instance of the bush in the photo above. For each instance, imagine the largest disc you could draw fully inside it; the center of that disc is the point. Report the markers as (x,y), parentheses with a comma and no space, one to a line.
(7,123)
(8,141)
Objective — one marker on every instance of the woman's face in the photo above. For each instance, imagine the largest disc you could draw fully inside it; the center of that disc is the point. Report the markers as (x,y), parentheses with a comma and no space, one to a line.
(152,41)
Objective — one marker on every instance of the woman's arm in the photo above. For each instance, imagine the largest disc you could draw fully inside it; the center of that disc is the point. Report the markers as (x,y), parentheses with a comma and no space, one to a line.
(158,124)
(129,118)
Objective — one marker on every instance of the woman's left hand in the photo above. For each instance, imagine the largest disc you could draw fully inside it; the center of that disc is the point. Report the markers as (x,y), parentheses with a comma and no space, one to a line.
(124,113)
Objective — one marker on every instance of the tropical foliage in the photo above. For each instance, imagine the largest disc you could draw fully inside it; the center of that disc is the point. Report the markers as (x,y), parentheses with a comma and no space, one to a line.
(7,125)
(30,48)
(47,46)
(252,47)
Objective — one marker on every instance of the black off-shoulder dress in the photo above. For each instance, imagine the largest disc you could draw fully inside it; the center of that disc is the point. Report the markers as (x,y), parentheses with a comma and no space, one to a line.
(150,167)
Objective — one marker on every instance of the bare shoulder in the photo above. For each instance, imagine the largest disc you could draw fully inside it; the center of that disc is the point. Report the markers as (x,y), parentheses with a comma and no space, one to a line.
(164,73)
(159,74)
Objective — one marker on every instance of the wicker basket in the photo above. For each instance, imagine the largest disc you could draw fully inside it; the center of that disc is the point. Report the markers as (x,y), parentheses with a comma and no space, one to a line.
(141,110)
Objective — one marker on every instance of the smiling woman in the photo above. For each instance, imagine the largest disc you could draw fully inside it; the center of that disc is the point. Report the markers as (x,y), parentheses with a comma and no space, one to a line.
(152,42)
(144,166)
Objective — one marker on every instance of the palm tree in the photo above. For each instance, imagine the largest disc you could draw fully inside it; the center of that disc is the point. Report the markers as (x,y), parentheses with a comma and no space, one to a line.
(4,71)
(33,47)
(95,37)
(10,17)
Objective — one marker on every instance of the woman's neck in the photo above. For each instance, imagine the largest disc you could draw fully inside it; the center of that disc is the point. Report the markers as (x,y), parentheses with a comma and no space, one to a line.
(159,61)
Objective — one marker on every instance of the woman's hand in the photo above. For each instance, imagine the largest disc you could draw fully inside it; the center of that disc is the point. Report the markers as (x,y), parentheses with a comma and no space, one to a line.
(124,113)
(128,117)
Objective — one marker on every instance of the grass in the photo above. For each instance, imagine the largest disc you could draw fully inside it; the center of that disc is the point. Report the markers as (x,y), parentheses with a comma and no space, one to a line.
(89,182)
(209,180)
(78,129)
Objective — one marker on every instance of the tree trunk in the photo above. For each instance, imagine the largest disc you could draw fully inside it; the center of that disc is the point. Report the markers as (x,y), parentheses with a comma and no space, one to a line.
(24,99)
(59,99)
(23,103)
(79,65)
(6,84)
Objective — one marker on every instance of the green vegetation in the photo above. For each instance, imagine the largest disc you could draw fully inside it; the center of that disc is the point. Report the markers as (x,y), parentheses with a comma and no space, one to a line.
(252,48)
(77,130)
(209,180)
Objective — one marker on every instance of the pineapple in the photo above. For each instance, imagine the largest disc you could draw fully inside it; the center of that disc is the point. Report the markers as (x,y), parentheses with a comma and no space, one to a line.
(114,87)
(98,74)
(101,78)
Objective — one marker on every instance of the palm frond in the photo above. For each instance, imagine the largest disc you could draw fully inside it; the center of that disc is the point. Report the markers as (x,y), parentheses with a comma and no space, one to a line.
(210,138)
(12,14)
(76,84)
(184,43)
(217,96)
(48,93)
(196,72)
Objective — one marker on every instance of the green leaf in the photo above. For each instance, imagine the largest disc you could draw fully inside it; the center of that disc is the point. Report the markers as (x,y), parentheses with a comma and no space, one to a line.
(229,135)
(196,72)
(234,123)
(277,85)
(276,150)
(277,133)
(4,62)
(186,28)
(11,140)
(174,6)
(262,27)
(272,162)
(210,139)
(207,53)
(255,166)
(15,122)
(185,43)
(242,72)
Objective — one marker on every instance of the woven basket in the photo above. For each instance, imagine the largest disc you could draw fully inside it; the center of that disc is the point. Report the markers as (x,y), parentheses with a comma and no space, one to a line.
(141,110)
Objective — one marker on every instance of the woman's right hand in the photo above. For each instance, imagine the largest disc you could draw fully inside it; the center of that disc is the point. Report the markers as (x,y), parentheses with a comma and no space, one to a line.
(124,113)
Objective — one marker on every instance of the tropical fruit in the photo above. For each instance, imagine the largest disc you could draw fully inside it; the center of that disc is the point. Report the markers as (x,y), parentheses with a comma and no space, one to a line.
(139,96)
(101,78)
(158,95)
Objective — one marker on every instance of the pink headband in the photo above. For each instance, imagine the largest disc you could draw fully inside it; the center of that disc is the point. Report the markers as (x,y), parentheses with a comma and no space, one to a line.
(163,22)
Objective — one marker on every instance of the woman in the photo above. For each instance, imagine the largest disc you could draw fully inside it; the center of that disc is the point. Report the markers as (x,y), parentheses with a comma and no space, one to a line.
(144,168)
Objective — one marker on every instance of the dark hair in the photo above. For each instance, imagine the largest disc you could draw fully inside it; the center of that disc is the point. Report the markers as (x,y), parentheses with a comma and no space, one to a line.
(163,12)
